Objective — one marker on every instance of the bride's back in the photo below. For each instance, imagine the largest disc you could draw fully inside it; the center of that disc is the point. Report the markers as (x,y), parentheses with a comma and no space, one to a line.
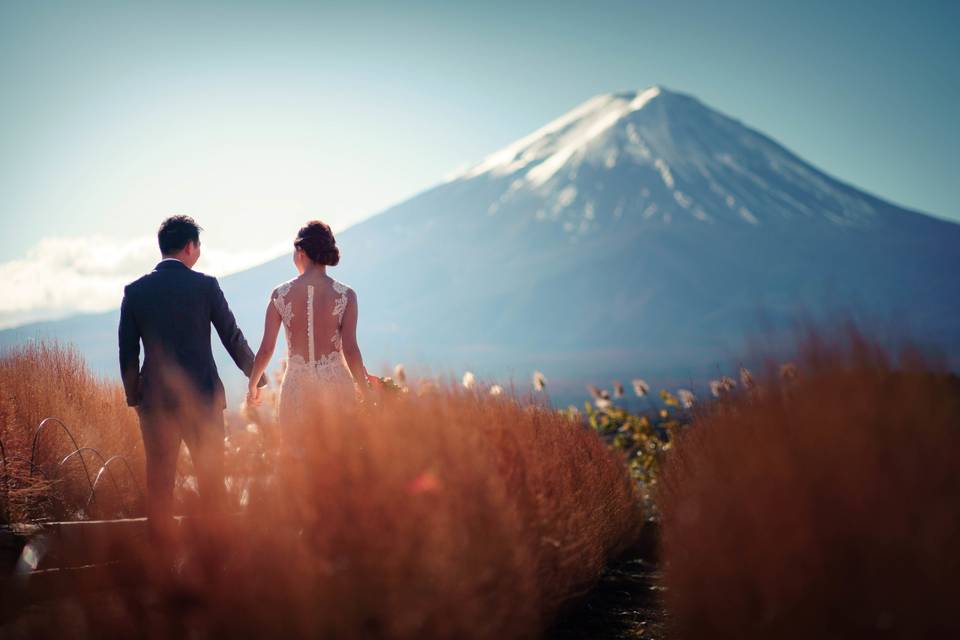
(311,308)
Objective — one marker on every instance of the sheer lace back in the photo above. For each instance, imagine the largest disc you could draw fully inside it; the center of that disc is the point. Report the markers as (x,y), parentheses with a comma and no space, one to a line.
(312,311)
(312,314)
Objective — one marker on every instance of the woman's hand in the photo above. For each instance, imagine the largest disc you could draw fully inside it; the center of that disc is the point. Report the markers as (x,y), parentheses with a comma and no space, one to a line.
(253,394)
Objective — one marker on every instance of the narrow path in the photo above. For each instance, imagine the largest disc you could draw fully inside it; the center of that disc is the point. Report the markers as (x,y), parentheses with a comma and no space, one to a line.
(624,605)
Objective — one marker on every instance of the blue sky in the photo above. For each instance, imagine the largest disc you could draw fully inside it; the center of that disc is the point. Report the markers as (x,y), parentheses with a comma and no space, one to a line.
(255,116)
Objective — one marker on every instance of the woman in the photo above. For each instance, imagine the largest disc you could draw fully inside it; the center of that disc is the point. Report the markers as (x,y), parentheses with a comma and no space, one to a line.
(319,316)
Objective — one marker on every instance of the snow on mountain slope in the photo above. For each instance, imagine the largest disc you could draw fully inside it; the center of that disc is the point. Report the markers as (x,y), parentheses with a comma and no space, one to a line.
(550,147)
(689,162)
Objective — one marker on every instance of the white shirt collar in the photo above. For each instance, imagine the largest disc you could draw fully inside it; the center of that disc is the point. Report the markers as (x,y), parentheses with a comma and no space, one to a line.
(174,260)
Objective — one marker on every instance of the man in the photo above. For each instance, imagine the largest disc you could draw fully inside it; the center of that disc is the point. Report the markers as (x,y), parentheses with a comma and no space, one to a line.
(178,393)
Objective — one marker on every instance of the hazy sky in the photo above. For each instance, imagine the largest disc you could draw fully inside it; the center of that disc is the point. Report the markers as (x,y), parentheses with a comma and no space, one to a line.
(255,116)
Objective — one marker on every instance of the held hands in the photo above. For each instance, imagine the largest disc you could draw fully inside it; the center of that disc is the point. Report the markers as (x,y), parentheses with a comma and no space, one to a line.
(253,394)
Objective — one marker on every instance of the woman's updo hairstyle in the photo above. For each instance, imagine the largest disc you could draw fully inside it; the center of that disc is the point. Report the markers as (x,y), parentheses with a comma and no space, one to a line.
(317,241)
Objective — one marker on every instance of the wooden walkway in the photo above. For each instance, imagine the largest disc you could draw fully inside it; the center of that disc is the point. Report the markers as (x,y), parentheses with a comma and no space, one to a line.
(53,560)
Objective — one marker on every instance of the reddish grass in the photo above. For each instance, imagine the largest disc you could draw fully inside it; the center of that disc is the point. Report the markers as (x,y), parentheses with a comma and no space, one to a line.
(38,381)
(454,514)
(828,507)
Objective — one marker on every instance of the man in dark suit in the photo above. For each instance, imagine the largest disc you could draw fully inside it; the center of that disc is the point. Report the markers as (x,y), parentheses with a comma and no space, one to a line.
(178,393)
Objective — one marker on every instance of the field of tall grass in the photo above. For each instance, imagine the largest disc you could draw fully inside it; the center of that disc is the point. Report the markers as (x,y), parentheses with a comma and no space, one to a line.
(823,502)
(452,513)
(40,479)
(819,498)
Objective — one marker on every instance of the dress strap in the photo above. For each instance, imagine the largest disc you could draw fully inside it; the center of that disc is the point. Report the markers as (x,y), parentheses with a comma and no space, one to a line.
(310,348)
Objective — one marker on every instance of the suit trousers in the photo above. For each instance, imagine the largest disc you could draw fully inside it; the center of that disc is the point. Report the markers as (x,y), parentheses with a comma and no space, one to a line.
(201,428)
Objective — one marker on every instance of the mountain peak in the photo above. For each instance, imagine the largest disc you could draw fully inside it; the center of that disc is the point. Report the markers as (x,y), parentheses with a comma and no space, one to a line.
(637,99)
(552,145)
(671,158)
(653,91)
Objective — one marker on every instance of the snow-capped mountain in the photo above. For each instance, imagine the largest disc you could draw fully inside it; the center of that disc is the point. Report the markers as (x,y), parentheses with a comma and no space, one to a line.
(640,233)
(692,164)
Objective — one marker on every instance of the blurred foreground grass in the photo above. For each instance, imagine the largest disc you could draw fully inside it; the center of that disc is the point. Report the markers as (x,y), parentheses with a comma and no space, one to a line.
(446,514)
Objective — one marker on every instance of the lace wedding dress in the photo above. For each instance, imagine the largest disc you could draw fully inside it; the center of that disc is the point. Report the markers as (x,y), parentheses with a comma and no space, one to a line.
(308,311)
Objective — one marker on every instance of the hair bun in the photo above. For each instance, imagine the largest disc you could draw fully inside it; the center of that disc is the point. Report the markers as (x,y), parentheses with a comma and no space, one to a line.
(317,241)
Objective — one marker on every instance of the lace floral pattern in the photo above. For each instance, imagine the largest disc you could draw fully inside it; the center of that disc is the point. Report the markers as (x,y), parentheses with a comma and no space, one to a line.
(341,305)
(305,383)
(338,310)
(284,308)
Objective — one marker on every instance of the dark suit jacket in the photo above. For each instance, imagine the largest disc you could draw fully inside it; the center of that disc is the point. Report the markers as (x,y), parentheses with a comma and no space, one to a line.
(171,309)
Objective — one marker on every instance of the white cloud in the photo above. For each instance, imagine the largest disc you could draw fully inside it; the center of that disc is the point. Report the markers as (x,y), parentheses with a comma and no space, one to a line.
(64,275)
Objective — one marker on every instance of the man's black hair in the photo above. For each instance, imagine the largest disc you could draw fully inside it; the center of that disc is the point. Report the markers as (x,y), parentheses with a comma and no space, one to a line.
(175,232)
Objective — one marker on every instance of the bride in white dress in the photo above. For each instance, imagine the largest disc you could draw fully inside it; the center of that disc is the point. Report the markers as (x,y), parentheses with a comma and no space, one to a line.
(319,317)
